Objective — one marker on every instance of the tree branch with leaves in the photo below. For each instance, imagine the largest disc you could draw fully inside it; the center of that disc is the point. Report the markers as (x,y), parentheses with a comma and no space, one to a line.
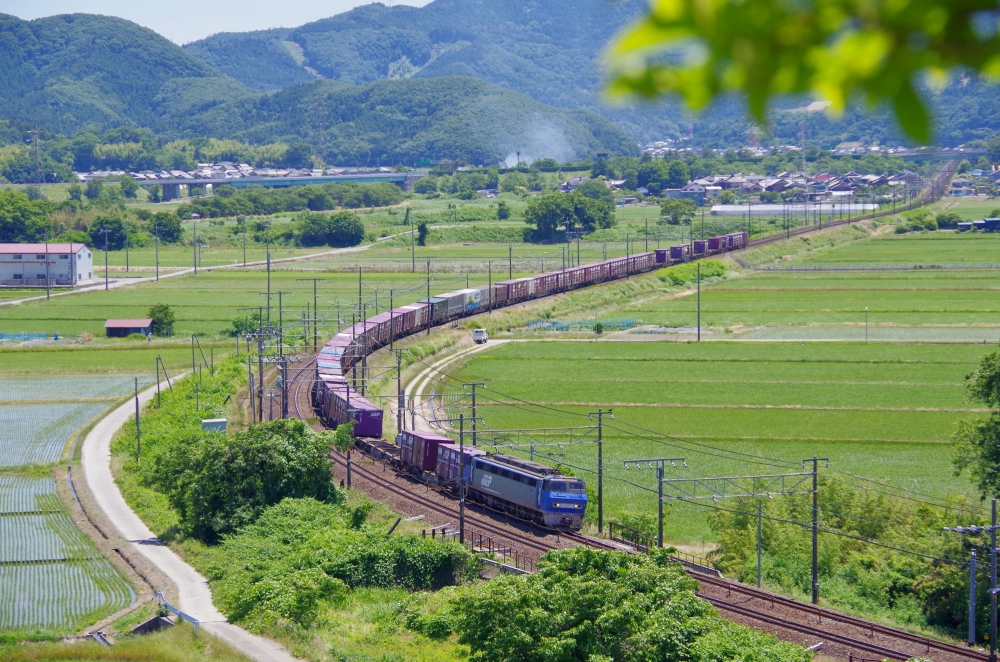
(838,49)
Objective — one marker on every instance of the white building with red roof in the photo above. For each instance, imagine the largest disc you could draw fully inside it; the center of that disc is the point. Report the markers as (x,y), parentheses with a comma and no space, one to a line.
(29,265)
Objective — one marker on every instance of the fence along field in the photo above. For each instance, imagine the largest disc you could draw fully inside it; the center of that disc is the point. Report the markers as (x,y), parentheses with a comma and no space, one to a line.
(878,410)
(52,577)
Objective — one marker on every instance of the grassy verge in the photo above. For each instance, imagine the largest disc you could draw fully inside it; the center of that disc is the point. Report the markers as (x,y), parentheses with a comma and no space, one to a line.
(177,644)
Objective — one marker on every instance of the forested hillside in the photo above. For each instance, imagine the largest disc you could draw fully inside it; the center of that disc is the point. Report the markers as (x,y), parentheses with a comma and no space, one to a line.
(551,52)
(263,60)
(393,121)
(78,70)
(548,50)
(76,73)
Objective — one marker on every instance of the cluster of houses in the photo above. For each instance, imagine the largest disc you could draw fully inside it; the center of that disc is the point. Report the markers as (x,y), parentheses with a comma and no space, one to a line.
(822,187)
(228,170)
(975,182)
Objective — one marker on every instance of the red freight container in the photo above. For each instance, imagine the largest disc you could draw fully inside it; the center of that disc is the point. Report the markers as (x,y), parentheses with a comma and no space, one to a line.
(661,255)
(419,449)
(449,463)
(500,293)
(718,243)
(680,252)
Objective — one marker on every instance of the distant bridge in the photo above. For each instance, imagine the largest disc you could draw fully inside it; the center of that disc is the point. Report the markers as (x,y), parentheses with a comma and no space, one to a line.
(404,180)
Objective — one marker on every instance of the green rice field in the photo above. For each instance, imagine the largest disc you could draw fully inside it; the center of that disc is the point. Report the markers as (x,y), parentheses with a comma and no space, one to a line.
(917,249)
(884,411)
(52,578)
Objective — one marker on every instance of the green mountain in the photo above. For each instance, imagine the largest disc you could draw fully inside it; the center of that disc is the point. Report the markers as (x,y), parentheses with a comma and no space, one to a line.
(550,50)
(392,121)
(547,49)
(79,70)
(82,72)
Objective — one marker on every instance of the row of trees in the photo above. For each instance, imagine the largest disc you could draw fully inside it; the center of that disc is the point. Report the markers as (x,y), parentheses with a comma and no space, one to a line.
(590,207)
(257,200)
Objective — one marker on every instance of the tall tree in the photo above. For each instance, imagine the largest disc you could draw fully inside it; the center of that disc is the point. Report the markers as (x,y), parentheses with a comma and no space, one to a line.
(979,437)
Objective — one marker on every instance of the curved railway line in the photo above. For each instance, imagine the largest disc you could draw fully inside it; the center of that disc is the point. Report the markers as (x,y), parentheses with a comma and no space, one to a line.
(840,635)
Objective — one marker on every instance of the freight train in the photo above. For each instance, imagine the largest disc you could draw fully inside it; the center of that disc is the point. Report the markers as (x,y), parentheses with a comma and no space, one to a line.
(499,481)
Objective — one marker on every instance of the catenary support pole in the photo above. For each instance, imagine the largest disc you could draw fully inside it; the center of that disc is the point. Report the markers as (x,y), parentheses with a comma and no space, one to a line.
(972,599)
(699,302)
(138,434)
(760,531)
(993,581)
(659,505)
(815,531)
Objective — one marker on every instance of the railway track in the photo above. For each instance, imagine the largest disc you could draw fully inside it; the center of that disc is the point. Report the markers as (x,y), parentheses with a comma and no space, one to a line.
(842,636)
(847,634)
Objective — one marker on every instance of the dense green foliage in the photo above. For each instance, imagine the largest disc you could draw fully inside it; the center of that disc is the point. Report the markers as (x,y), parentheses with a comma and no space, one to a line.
(75,70)
(550,212)
(301,552)
(260,60)
(218,483)
(259,201)
(163,319)
(979,437)
(916,588)
(530,47)
(584,604)
(343,229)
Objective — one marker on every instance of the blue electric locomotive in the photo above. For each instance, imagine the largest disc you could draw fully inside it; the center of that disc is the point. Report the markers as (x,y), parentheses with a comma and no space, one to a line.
(528,490)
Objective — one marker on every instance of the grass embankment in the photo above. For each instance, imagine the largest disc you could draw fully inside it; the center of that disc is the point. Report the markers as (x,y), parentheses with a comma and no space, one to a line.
(303,571)
(177,644)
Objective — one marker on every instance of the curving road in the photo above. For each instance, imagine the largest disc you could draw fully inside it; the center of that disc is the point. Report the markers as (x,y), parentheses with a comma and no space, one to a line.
(195,598)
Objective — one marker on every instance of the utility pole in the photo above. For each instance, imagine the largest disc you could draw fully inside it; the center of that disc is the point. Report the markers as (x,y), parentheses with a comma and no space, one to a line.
(315,320)
(105,230)
(699,302)
(194,248)
(760,527)
(475,438)
(977,530)
(243,221)
(815,525)
(267,248)
(156,233)
(126,246)
(138,437)
(46,235)
(660,465)
(600,467)
(510,261)
(400,396)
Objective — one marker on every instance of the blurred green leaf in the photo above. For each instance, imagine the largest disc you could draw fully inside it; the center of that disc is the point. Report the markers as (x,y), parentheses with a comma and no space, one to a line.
(835,49)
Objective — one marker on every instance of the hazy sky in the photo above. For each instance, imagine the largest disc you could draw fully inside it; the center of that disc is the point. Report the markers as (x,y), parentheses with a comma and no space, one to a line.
(189,20)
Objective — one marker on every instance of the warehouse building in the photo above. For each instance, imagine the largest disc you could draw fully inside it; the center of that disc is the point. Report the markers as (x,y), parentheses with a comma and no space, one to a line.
(29,265)
(124,328)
